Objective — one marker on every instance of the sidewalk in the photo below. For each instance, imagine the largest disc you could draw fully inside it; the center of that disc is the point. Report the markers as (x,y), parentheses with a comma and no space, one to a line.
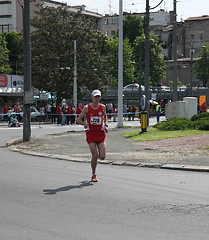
(70,145)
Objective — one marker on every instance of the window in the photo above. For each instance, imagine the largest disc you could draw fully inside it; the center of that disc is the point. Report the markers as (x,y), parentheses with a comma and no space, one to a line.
(5,28)
(192,36)
(5,2)
(106,21)
(192,53)
(5,16)
(201,36)
(113,33)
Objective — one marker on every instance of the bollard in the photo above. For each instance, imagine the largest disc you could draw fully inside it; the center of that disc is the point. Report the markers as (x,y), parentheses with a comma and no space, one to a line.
(144,121)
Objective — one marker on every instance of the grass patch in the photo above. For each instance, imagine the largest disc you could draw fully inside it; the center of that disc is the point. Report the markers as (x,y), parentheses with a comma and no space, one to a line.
(154,134)
(204,148)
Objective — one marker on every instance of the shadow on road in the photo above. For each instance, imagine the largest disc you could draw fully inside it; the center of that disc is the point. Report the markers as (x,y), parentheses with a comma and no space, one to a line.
(67,188)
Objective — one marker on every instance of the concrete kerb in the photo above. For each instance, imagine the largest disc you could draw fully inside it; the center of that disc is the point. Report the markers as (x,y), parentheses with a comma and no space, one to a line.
(12,146)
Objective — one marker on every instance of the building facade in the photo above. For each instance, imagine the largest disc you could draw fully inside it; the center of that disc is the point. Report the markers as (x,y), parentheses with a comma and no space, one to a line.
(11,12)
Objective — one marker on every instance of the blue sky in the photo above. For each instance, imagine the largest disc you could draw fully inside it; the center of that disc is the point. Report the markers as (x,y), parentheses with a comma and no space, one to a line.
(185,8)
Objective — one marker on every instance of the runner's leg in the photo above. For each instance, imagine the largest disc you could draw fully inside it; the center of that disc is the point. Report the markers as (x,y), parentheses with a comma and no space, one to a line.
(102,150)
(94,153)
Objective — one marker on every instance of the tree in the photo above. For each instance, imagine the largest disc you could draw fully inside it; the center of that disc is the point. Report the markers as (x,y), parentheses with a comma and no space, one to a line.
(157,62)
(132,27)
(4,57)
(201,67)
(53,52)
(128,67)
(14,43)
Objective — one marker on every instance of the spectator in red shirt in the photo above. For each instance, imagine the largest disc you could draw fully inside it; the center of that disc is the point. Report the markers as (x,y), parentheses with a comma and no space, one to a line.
(203,107)
(5,111)
(58,113)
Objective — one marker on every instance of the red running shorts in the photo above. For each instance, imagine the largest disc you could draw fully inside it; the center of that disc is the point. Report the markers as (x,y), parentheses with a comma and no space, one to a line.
(95,136)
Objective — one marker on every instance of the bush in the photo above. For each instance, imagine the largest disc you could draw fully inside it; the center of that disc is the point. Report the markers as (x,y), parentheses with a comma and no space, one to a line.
(202,124)
(173,124)
(204,115)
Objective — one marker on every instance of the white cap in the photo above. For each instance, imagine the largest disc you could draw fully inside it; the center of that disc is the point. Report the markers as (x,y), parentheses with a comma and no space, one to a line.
(96,93)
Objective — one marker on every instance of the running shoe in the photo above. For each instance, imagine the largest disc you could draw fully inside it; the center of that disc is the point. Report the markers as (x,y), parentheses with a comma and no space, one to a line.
(94,178)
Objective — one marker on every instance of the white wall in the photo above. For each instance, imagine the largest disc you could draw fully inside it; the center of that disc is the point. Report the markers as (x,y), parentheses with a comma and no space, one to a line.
(186,108)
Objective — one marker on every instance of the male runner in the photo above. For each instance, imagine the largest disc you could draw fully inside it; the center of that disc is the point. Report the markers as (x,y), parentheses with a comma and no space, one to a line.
(96,129)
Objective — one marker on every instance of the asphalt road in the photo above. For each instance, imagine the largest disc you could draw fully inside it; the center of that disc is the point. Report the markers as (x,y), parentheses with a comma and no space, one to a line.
(51,199)
(44,198)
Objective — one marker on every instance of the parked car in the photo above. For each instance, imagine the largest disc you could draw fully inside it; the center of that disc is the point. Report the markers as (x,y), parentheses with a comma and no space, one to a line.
(165,88)
(182,88)
(35,114)
(133,87)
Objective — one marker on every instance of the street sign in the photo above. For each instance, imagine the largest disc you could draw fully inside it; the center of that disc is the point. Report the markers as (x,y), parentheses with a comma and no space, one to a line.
(143,102)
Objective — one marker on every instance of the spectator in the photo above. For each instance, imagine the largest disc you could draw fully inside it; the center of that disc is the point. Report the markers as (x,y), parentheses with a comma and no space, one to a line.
(5,112)
(129,112)
(204,107)
(124,111)
(133,109)
(58,114)
(110,109)
(53,113)
(115,113)
(43,113)
(158,110)
(18,110)
(63,113)
(48,111)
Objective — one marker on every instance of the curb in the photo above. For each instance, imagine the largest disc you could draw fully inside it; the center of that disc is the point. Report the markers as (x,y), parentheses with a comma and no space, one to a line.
(12,146)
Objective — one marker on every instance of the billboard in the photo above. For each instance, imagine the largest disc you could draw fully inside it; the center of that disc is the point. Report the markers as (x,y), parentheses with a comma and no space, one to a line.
(3,80)
(13,81)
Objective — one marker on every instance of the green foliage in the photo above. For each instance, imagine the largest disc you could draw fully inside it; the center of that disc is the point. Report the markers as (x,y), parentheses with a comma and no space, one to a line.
(201,67)
(128,67)
(203,116)
(202,124)
(157,62)
(173,124)
(154,134)
(132,28)
(14,43)
(4,56)
(199,122)
(53,52)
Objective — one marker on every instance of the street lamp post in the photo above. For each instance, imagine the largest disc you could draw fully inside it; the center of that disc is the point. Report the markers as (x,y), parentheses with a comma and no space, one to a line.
(191,73)
(75,89)
(120,67)
(175,94)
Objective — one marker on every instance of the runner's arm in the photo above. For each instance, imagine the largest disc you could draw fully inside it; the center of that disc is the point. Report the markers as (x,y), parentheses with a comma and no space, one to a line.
(105,117)
(81,117)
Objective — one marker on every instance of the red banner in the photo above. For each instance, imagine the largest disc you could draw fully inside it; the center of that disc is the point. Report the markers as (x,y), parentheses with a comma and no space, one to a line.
(3,81)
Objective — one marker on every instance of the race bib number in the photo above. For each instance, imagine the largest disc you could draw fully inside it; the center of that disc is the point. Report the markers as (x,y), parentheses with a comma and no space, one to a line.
(95,120)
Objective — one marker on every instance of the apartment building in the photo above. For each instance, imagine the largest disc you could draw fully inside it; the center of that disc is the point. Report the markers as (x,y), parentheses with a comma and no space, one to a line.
(196,34)
(11,17)
(109,24)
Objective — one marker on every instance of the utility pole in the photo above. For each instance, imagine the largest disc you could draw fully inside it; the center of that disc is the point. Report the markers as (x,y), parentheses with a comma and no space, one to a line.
(147,50)
(191,70)
(28,95)
(75,103)
(120,67)
(175,94)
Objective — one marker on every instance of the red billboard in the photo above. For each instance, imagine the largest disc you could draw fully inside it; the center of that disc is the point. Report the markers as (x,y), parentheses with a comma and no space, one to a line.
(3,81)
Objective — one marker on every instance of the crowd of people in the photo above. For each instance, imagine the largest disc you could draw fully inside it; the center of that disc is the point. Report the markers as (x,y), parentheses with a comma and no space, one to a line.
(65,114)
(62,114)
